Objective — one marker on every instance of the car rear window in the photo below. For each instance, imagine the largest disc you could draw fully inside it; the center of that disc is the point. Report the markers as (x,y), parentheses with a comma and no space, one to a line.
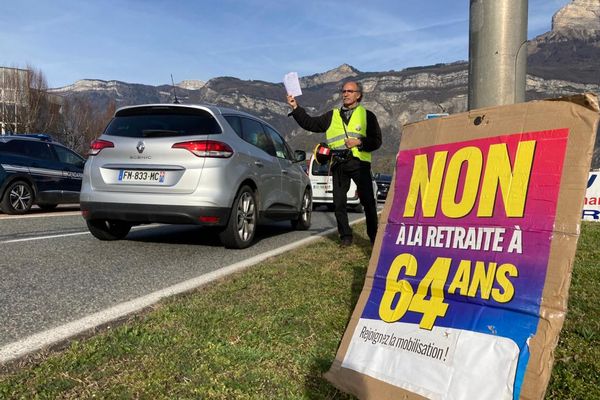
(319,169)
(162,122)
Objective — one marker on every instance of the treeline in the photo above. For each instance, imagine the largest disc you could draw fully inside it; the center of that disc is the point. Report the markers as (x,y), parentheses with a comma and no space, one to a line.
(26,106)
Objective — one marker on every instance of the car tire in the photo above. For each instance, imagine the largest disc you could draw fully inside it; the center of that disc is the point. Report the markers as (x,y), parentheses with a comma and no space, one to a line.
(18,198)
(48,207)
(108,229)
(330,207)
(243,217)
(358,208)
(302,223)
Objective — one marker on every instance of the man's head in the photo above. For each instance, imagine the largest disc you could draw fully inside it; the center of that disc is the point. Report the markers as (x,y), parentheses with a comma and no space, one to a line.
(351,94)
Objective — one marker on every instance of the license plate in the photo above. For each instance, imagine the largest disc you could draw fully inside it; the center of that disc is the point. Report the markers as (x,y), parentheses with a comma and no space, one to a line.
(141,176)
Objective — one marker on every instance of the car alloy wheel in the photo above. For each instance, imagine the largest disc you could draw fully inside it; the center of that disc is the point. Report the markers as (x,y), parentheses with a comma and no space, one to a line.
(241,226)
(18,198)
(246,218)
(303,221)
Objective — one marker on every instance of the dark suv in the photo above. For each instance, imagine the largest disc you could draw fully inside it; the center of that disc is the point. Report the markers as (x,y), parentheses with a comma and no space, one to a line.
(34,169)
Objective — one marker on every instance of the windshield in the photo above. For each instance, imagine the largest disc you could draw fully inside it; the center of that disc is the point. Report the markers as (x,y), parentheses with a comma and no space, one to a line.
(383,178)
(162,122)
(319,169)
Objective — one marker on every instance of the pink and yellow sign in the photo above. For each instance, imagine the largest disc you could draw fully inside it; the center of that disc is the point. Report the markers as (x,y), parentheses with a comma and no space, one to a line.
(457,286)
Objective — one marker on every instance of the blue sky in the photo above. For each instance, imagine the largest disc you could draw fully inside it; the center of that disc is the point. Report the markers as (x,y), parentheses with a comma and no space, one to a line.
(144,41)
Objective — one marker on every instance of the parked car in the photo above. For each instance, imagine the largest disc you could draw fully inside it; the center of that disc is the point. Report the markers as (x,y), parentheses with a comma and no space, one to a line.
(34,169)
(322,187)
(383,185)
(192,164)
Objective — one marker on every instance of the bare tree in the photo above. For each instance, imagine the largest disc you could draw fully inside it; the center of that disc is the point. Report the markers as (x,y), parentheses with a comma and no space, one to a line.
(25,104)
(82,123)
(13,99)
(43,108)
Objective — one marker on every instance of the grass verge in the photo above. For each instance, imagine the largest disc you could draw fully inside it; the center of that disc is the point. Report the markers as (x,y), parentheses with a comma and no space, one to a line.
(270,333)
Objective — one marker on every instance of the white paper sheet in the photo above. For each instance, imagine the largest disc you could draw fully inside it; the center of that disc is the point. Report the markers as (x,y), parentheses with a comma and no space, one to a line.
(292,84)
(443,363)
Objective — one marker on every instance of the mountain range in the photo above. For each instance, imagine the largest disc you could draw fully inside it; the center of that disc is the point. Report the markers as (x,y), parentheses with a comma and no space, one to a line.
(563,61)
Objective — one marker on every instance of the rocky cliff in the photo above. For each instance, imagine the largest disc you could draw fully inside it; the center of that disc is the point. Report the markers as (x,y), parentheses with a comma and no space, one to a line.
(577,16)
(571,50)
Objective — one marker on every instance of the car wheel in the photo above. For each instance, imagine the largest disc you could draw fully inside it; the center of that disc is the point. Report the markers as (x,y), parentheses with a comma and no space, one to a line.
(302,223)
(107,229)
(330,207)
(358,208)
(18,198)
(241,227)
(48,207)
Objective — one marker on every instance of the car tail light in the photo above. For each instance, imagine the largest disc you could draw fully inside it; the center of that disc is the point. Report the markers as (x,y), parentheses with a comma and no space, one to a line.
(206,148)
(97,145)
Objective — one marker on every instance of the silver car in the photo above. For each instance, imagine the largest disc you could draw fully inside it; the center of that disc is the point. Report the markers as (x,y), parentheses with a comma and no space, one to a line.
(192,164)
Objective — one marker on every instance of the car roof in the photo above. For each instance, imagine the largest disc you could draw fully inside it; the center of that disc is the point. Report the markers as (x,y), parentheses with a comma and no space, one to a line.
(34,137)
(207,107)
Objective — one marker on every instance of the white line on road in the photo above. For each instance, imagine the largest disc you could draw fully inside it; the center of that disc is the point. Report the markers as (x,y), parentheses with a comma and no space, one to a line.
(44,215)
(52,336)
(43,237)
(65,235)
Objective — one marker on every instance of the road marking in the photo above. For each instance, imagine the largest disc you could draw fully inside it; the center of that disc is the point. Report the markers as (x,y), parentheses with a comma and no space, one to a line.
(67,234)
(38,341)
(43,237)
(53,214)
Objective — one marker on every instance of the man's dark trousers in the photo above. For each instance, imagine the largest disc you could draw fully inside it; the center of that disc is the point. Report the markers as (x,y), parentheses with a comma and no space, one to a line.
(360,173)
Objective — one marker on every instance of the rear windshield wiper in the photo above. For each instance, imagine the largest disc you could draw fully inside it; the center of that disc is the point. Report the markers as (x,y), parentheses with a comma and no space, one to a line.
(159,132)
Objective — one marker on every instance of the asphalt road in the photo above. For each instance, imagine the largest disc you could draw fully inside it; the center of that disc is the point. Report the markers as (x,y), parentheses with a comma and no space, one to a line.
(54,272)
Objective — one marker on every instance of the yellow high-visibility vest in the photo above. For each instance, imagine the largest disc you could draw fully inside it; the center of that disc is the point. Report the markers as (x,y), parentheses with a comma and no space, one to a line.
(356,128)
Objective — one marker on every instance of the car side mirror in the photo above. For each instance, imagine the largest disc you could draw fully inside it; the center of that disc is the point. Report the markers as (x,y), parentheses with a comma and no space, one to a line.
(299,155)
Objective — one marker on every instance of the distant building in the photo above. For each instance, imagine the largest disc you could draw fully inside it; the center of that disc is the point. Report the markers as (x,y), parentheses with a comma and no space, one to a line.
(14,92)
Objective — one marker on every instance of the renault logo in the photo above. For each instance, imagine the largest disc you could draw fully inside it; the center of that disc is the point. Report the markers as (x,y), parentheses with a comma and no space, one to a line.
(140,147)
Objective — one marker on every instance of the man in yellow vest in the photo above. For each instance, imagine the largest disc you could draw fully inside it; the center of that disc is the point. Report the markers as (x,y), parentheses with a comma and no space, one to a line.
(352,132)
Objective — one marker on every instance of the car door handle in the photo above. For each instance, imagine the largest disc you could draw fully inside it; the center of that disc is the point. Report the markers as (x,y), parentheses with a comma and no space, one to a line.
(259,164)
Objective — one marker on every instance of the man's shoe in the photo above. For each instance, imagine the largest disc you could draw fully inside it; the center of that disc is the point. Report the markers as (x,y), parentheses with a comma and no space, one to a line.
(347,241)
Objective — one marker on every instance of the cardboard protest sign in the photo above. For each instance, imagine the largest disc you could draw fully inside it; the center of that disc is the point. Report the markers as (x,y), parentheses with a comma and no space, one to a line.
(467,286)
(591,205)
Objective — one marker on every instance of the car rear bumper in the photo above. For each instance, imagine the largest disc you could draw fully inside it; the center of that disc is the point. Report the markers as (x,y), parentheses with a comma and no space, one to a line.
(165,214)
(352,200)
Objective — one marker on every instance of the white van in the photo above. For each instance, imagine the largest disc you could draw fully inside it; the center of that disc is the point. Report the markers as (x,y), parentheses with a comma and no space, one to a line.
(322,187)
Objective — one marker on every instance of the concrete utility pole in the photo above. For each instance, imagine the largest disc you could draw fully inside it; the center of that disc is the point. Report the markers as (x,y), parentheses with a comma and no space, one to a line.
(497,52)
